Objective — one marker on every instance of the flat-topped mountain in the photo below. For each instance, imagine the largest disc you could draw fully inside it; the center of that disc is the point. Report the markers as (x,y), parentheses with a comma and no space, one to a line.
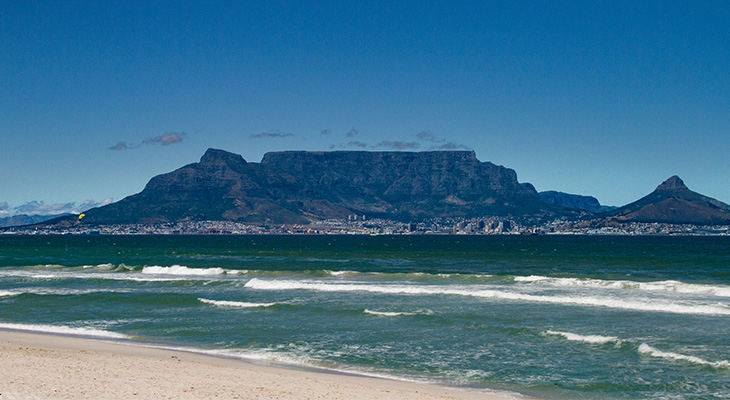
(301,186)
(672,202)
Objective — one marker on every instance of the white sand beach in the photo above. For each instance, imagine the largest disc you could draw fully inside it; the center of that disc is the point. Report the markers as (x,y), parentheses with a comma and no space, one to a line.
(39,366)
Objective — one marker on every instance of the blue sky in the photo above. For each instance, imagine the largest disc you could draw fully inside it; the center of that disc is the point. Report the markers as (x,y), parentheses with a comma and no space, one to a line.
(602,98)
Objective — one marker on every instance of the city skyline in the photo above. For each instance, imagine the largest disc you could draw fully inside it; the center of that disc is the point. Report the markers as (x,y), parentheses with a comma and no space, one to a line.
(591,98)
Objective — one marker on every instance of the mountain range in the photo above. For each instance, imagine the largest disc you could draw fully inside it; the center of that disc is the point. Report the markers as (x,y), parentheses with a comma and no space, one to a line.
(299,187)
(575,201)
(25,219)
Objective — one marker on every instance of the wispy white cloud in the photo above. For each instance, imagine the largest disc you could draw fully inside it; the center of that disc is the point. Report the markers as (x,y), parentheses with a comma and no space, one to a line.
(89,204)
(358,144)
(353,144)
(451,146)
(120,146)
(425,140)
(435,143)
(41,208)
(271,134)
(397,145)
(426,136)
(352,133)
(166,139)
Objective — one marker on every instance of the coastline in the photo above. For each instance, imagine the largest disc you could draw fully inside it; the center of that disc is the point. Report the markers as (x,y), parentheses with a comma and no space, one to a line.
(39,365)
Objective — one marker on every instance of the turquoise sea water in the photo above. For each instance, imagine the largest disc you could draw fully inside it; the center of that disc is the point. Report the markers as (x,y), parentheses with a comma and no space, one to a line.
(547,316)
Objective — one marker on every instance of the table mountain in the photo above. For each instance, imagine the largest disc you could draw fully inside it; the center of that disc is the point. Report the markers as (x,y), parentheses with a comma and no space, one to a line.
(301,186)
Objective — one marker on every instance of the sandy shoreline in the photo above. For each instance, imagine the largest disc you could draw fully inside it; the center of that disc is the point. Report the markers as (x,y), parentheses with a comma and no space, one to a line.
(40,366)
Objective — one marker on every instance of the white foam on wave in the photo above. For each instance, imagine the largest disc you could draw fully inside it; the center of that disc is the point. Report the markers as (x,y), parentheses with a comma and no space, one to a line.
(387,313)
(44,276)
(651,351)
(6,293)
(635,305)
(42,291)
(182,270)
(593,339)
(340,273)
(664,286)
(106,266)
(238,304)
(64,330)
(99,275)
(139,279)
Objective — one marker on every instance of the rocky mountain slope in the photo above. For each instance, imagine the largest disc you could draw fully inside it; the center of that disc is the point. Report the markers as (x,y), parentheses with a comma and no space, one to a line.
(672,202)
(575,201)
(299,187)
(23,219)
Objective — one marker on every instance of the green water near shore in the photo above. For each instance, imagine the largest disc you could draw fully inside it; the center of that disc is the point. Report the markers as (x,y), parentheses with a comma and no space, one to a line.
(555,317)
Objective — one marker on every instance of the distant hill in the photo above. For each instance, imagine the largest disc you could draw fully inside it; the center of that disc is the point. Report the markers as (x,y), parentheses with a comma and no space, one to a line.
(23,219)
(672,202)
(575,201)
(299,187)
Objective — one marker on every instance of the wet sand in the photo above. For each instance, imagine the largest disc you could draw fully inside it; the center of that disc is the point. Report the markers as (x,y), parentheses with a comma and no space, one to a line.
(39,366)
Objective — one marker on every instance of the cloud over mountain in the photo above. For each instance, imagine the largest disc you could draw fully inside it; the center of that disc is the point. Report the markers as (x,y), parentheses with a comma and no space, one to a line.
(397,145)
(426,136)
(425,140)
(451,146)
(271,134)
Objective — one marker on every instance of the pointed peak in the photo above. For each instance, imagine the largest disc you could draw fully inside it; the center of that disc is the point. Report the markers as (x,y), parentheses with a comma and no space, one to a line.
(672,183)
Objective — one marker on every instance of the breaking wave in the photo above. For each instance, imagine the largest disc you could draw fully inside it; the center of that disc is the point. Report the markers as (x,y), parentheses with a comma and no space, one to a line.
(651,351)
(42,291)
(593,339)
(182,270)
(396,314)
(665,286)
(238,304)
(635,305)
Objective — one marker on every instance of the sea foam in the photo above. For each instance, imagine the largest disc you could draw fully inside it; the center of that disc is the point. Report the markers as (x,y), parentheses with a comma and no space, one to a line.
(43,291)
(387,313)
(239,304)
(64,330)
(651,351)
(664,286)
(182,270)
(593,339)
(340,273)
(635,305)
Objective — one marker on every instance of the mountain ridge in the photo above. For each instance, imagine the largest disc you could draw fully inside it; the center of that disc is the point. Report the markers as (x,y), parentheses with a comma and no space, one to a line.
(302,186)
(673,202)
(575,201)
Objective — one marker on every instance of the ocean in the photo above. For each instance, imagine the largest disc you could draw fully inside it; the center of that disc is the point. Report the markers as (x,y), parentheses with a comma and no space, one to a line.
(554,317)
